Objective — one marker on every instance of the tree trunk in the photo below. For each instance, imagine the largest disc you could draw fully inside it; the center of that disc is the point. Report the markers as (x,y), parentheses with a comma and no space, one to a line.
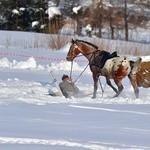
(111,21)
(111,28)
(126,21)
(101,19)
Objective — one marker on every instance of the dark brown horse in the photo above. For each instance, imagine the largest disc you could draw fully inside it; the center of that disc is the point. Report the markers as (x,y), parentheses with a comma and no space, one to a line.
(105,64)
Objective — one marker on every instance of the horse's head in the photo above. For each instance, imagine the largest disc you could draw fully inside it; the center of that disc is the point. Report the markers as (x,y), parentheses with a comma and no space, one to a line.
(73,51)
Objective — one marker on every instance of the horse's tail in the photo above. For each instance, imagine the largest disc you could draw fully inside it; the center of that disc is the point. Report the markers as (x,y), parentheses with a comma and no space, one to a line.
(135,64)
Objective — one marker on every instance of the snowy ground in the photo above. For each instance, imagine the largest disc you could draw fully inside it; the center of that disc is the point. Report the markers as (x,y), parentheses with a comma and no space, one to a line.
(30,119)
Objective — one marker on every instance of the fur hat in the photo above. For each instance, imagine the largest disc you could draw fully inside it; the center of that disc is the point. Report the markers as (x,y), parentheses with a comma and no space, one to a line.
(64,76)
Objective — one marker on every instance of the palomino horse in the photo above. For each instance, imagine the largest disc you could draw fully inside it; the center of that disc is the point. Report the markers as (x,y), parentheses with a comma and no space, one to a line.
(105,64)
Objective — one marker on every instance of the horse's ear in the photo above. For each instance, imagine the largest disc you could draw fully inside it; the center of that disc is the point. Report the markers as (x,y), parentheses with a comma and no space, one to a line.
(72,41)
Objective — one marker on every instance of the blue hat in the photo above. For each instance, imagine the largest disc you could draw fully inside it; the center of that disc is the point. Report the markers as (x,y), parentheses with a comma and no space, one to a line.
(64,76)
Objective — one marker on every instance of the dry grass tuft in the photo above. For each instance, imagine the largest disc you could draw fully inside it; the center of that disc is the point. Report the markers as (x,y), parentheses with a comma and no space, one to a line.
(57,41)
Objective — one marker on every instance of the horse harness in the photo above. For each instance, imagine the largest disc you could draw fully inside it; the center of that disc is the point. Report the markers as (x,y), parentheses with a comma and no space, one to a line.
(100,59)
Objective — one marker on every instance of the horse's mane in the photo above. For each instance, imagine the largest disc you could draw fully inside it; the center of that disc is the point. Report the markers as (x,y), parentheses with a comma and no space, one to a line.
(88,43)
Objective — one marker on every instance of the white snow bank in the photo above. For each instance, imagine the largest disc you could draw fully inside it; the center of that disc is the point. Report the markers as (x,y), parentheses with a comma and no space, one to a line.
(32,65)
(29,64)
(145,58)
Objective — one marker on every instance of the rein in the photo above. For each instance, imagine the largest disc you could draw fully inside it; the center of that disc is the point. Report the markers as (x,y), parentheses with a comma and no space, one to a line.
(71,69)
(88,53)
(80,73)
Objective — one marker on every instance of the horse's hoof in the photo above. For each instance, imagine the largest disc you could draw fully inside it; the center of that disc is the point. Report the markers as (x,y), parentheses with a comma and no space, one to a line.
(93,97)
(115,96)
(137,96)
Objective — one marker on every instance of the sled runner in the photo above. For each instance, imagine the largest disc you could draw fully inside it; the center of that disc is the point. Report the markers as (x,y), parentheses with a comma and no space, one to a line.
(55,91)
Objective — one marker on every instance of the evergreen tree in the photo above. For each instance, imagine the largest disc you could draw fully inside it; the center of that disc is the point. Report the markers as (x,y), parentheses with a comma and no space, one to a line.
(19,14)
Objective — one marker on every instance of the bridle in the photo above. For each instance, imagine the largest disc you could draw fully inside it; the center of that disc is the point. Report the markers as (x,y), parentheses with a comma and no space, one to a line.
(93,53)
(76,46)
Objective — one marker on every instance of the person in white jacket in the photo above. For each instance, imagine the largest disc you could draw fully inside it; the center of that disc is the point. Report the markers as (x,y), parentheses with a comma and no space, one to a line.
(67,87)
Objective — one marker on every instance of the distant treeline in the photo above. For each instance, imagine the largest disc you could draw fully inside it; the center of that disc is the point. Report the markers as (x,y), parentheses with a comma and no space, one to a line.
(104,19)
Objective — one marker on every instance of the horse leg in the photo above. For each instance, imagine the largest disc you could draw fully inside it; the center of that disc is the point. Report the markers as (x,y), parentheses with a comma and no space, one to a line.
(120,86)
(109,83)
(95,79)
(133,81)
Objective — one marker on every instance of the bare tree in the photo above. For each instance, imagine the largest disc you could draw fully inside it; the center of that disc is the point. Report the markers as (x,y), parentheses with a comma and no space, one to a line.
(126,20)
(110,12)
(98,18)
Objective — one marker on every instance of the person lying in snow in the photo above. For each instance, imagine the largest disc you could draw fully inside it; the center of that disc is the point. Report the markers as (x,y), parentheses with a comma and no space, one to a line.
(67,87)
